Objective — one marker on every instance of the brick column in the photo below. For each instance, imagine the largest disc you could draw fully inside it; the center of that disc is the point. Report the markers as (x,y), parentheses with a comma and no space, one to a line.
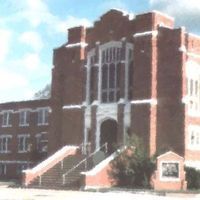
(120,120)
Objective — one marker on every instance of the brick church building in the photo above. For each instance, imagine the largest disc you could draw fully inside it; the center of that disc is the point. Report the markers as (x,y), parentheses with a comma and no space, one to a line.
(122,76)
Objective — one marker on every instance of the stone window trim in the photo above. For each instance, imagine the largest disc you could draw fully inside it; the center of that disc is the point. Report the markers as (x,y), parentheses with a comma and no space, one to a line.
(4,141)
(41,133)
(23,145)
(3,169)
(193,88)
(43,113)
(41,143)
(20,167)
(193,142)
(24,115)
(15,162)
(162,178)
(111,53)
(6,118)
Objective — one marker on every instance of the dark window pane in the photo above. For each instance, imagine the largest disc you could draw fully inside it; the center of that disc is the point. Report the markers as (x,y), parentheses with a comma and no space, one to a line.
(103,57)
(111,96)
(130,54)
(196,87)
(130,74)
(107,55)
(104,77)
(110,55)
(118,74)
(118,53)
(92,78)
(112,76)
(91,60)
(104,97)
(92,83)
(114,54)
(191,86)
(118,95)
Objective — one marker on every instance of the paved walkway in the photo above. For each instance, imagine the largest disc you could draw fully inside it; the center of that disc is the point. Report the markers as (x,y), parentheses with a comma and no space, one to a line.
(36,194)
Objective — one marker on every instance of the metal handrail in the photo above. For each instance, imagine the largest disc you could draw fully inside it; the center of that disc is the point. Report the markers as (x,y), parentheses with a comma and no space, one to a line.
(84,160)
(83,146)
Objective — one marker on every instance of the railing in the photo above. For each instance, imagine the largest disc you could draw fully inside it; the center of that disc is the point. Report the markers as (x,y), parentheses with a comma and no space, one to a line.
(85,148)
(30,174)
(85,161)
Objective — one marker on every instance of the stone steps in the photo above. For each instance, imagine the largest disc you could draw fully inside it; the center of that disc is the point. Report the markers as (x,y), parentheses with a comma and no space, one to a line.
(53,178)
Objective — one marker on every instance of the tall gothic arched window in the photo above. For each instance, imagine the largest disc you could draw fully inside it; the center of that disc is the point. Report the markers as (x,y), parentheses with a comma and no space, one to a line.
(106,67)
(111,58)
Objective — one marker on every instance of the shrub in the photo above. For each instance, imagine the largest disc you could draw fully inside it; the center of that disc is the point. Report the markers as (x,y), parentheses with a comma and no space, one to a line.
(193,178)
(132,167)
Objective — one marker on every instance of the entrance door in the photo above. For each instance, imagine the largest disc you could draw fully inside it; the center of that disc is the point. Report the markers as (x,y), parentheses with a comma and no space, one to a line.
(109,134)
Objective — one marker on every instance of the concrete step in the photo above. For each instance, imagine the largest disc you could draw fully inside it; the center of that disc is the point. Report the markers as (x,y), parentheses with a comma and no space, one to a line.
(53,178)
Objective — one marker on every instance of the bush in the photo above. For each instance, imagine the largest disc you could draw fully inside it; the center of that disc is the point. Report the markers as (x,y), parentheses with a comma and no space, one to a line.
(132,167)
(193,178)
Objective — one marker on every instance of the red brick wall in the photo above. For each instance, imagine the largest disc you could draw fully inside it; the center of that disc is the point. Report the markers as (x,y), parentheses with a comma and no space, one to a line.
(145,87)
(93,126)
(153,110)
(157,64)
(140,122)
(72,125)
(76,34)
(120,120)
(192,45)
(170,110)
(57,88)
(32,129)
(109,28)
(100,179)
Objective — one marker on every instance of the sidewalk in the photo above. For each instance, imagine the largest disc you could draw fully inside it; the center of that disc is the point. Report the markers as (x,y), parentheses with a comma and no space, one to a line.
(36,194)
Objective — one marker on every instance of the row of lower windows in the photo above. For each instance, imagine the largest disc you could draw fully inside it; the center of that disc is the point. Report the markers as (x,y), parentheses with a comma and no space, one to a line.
(19,168)
(24,117)
(23,144)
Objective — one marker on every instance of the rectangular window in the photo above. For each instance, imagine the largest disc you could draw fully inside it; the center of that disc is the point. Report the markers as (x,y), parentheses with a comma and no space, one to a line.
(93,73)
(130,54)
(21,167)
(191,87)
(4,143)
(193,95)
(41,142)
(104,76)
(23,146)
(3,169)
(130,84)
(43,116)
(112,76)
(118,54)
(6,119)
(103,57)
(194,137)
(24,118)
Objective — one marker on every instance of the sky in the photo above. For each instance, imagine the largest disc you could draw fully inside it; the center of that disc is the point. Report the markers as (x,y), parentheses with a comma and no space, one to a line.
(31,29)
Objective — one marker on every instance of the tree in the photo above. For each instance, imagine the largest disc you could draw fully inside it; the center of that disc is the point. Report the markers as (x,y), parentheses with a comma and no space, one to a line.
(45,93)
(193,178)
(132,167)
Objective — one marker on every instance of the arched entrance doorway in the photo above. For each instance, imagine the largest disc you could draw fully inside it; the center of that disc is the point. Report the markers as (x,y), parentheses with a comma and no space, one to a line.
(109,134)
